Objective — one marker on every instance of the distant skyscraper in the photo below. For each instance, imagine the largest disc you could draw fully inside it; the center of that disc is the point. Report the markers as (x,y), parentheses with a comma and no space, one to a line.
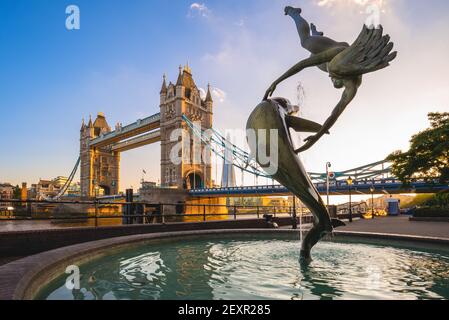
(228,175)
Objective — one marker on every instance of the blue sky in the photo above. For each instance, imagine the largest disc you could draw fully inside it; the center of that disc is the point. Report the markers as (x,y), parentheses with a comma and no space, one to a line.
(50,78)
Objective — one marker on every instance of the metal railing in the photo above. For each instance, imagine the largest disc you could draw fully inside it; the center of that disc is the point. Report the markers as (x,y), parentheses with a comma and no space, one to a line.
(126,213)
(380,185)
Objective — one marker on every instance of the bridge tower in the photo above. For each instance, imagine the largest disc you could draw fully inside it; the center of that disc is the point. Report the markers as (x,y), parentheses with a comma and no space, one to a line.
(100,167)
(175,100)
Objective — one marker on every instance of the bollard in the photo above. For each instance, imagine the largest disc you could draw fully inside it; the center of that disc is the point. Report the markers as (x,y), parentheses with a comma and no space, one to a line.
(29,210)
(129,207)
(294,217)
(96,213)
(139,213)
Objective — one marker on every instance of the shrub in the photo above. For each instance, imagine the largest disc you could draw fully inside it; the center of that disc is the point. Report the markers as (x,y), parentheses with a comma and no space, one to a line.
(431,213)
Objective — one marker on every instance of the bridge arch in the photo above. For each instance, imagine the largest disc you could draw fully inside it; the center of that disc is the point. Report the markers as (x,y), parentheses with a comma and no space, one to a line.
(105,190)
(193,180)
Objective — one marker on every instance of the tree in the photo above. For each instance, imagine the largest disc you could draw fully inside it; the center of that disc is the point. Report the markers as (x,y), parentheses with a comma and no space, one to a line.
(17,192)
(439,200)
(428,156)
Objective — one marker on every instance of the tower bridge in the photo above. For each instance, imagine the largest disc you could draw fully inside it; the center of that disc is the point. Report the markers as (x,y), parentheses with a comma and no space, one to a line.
(100,146)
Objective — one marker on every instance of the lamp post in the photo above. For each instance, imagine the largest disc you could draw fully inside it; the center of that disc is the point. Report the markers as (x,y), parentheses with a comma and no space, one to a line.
(97,189)
(350,182)
(372,189)
(328,165)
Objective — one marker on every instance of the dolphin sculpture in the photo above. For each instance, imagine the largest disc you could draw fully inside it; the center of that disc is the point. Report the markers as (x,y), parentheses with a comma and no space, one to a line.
(278,113)
(346,64)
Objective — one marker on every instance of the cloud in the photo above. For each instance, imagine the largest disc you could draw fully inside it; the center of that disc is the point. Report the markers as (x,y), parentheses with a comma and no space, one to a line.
(330,3)
(240,23)
(202,93)
(364,6)
(199,9)
(217,94)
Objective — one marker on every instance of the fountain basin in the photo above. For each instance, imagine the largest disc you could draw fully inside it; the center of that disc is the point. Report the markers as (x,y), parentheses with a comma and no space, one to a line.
(236,264)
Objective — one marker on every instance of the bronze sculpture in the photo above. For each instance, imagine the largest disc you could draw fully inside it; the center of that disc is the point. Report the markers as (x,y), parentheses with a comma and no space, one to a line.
(345,64)
(276,114)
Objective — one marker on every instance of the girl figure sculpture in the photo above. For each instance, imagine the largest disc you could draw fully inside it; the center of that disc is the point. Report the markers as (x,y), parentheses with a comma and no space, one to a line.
(345,63)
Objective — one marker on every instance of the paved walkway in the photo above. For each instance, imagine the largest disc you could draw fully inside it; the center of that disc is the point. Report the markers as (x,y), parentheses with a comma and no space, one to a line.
(394,225)
(399,225)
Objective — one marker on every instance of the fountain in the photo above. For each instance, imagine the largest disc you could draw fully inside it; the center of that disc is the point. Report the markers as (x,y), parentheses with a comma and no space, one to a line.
(345,64)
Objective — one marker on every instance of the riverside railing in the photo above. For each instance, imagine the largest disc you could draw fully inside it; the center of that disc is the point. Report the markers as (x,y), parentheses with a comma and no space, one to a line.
(126,213)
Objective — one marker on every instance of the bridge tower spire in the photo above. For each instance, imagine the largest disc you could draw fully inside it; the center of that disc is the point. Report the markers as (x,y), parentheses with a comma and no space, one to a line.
(164,90)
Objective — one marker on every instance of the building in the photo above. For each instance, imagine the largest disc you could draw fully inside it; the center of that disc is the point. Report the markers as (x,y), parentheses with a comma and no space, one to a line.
(24,192)
(280,202)
(74,190)
(60,181)
(32,192)
(6,191)
(148,185)
(45,189)
(176,100)
(228,173)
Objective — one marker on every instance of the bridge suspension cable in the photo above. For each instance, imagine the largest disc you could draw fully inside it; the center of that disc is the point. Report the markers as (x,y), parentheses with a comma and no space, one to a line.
(366,172)
(219,144)
(67,184)
(246,162)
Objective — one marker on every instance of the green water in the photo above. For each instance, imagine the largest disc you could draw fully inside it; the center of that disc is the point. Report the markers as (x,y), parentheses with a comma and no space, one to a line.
(260,268)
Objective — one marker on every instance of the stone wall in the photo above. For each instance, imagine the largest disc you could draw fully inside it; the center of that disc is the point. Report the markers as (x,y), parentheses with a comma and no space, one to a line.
(165,196)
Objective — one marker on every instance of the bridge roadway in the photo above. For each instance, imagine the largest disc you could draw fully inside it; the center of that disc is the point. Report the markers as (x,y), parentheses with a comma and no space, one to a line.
(137,142)
(132,130)
(382,186)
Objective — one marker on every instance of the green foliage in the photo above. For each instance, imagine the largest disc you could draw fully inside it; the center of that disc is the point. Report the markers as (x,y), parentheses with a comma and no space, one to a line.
(440,200)
(17,193)
(417,201)
(428,156)
(431,213)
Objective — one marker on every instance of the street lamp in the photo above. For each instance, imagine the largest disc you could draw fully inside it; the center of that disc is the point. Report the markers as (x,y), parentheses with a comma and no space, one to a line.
(350,182)
(97,189)
(372,189)
(328,165)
